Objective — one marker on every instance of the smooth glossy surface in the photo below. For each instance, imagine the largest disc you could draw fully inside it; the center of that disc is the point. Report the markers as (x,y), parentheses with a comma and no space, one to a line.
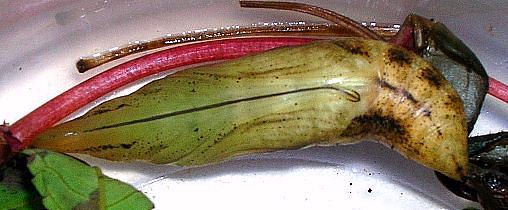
(41,40)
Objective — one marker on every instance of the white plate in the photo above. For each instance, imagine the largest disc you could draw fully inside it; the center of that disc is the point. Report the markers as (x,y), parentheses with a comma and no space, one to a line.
(41,41)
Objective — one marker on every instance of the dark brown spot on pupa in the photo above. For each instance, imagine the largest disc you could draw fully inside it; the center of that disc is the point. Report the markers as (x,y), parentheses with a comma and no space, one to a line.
(127,146)
(409,96)
(353,46)
(110,146)
(378,125)
(399,56)
(387,85)
(460,170)
(403,92)
(104,110)
(432,76)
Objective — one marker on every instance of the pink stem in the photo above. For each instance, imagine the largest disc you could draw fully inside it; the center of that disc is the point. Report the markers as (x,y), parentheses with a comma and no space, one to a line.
(404,38)
(498,89)
(22,132)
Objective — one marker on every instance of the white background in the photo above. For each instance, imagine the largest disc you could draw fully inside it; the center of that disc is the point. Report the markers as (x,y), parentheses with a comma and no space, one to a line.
(41,40)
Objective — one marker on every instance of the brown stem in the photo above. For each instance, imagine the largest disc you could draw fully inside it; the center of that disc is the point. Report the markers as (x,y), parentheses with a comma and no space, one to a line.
(289,30)
(329,15)
(343,26)
(89,62)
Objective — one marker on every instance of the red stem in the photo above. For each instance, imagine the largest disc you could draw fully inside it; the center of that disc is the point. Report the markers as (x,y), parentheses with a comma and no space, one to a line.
(498,89)
(404,38)
(22,132)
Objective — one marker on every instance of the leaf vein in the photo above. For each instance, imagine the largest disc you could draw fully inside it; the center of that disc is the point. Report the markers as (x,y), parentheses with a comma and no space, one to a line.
(50,169)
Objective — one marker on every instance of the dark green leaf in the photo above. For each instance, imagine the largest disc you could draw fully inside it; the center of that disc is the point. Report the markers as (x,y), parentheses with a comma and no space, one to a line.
(67,183)
(118,195)
(63,181)
(16,191)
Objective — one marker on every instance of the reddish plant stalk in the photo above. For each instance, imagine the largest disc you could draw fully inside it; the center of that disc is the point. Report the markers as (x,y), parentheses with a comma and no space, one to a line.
(404,38)
(498,89)
(22,132)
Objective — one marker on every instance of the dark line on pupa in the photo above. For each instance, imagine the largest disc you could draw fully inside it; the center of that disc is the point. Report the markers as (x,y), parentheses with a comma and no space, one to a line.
(352,96)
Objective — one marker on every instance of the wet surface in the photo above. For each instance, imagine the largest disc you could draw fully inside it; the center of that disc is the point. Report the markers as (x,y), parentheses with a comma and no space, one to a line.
(43,40)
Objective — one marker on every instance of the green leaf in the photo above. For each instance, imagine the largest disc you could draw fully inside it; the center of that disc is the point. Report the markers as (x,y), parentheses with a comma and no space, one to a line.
(67,183)
(16,191)
(118,195)
(17,198)
(62,181)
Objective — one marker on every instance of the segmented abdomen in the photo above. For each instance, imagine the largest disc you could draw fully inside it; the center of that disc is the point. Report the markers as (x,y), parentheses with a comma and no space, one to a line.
(324,92)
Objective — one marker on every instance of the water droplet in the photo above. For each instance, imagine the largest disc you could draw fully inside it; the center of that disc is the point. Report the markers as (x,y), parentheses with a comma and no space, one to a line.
(71,134)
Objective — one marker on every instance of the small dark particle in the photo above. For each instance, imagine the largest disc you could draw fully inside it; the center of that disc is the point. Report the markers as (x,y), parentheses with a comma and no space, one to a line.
(350,184)
(19,69)
(193,90)
(427,113)
(196,129)
(370,190)
(370,174)
(490,28)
